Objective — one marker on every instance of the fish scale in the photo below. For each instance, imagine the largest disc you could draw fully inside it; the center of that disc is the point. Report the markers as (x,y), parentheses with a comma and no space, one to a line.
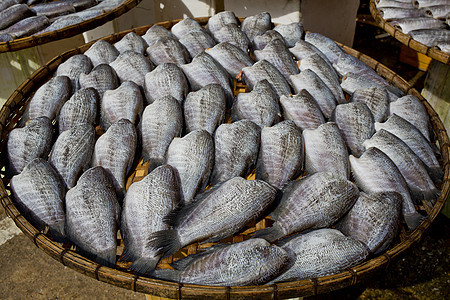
(167,79)
(131,41)
(279,56)
(102,78)
(230,57)
(80,108)
(73,67)
(303,110)
(131,66)
(101,52)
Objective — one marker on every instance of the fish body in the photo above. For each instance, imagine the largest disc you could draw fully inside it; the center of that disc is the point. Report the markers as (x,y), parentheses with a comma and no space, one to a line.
(302,49)
(409,24)
(430,37)
(292,32)
(185,26)
(352,82)
(131,41)
(30,142)
(281,154)
(309,81)
(114,151)
(79,109)
(72,152)
(221,19)
(256,25)
(146,204)
(167,79)
(61,22)
(102,52)
(197,41)
(215,214)
(131,66)
(154,33)
(193,158)
(40,193)
(376,99)
(27,26)
(232,34)
(50,97)
(7,3)
(102,78)
(375,172)
(322,252)
(279,56)
(125,102)
(314,201)
(426,3)
(167,50)
(259,106)
(73,67)
(53,9)
(325,151)
(303,110)
(236,150)
(437,11)
(230,57)
(265,70)
(326,45)
(261,41)
(249,262)
(205,108)
(13,14)
(393,13)
(356,124)
(157,133)
(92,214)
(394,3)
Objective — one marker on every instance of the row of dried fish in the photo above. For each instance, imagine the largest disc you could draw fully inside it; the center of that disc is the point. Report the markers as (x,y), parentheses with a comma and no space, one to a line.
(19,20)
(280,135)
(426,21)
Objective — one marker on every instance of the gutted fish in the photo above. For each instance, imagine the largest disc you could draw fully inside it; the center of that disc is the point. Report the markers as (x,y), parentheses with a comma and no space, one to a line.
(81,108)
(101,78)
(303,49)
(408,24)
(39,192)
(236,150)
(232,34)
(197,41)
(30,142)
(279,56)
(185,26)
(261,41)
(292,33)
(167,50)
(13,14)
(92,216)
(430,37)
(256,25)
(131,41)
(326,45)
(299,208)
(352,82)
(101,52)
(73,67)
(53,9)
(131,66)
(154,33)
(221,19)
(157,133)
(376,99)
(259,106)
(395,3)
(303,110)
(27,26)
(167,79)
(325,151)
(72,152)
(230,57)
(437,11)
(393,13)
(193,157)
(205,108)
(426,3)
(281,154)
(215,214)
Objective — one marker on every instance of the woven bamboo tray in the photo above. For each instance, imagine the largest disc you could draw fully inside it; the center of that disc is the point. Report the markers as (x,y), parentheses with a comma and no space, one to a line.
(68,31)
(12,111)
(406,39)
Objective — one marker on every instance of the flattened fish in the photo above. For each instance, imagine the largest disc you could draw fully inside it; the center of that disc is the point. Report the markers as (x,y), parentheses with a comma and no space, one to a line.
(73,67)
(30,142)
(166,80)
(185,26)
(13,14)
(154,33)
(356,124)
(303,110)
(101,52)
(375,172)
(249,262)
(158,133)
(131,41)
(131,66)
(92,216)
(27,26)
(256,25)
(322,252)
(437,11)
(281,154)
(193,158)
(197,41)
(279,56)
(125,102)
(167,50)
(236,150)
(430,37)
(373,220)
(261,41)
(146,205)
(72,152)
(53,9)
(352,82)
(50,97)
(326,45)
(408,24)
(232,34)
(325,151)
(114,151)
(292,33)
(81,108)
(230,57)
(221,19)
(301,209)
(231,205)
(376,99)
(205,108)
(101,78)
(40,193)
(393,13)
(259,106)
(303,49)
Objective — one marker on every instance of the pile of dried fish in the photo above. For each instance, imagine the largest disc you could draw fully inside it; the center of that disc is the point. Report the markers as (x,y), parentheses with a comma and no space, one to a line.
(426,21)
(330,142)
(20,18)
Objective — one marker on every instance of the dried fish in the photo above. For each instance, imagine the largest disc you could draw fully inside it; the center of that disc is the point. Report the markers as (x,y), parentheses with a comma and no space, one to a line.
(303,110)
(221,19)
(13,14)
(232,34)
(230,57)
(376,99)
(73,67)
(102,78)
(167,50)
(292,33)
(101,52)
(167,79)
(326,45)
(261,41)
(154,33)
(81,108)
(53,9)
(131,66)
(392,13)
(256,25)
(131,41)
(197,41)
(185,26)
(27,26)
(279,56)
(408,24)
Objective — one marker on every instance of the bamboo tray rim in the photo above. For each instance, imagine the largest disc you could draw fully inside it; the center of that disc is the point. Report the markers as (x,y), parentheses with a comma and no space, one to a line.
(13,108)
(407,40)
(68,31)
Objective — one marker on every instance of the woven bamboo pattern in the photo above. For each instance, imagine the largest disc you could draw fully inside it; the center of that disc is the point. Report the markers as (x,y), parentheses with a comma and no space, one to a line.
(406,39)
(68,31)
(119,276)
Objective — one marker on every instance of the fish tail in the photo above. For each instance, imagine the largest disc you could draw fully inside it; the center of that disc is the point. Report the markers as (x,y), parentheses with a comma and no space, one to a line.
(57,232)
(165,242)
(269,234)
(166,274)
(436,174)
(144,265)
(431,196)
(413,219)
(107,257)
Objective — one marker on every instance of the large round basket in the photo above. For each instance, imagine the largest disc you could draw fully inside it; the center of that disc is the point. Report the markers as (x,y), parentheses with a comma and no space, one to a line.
(406,39)
(11,114)
(68,31)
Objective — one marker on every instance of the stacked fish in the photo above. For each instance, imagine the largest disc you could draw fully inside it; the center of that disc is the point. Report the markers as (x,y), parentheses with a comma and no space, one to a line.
(21,18)
(426,21)
(167,97)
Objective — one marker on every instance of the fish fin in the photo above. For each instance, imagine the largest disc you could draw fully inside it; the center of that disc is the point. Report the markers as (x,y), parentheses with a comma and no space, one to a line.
(107,257)
(270,234)
(166,274)
(165,242)
(144,265)
(413,220)
(431,196)
(436,174)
